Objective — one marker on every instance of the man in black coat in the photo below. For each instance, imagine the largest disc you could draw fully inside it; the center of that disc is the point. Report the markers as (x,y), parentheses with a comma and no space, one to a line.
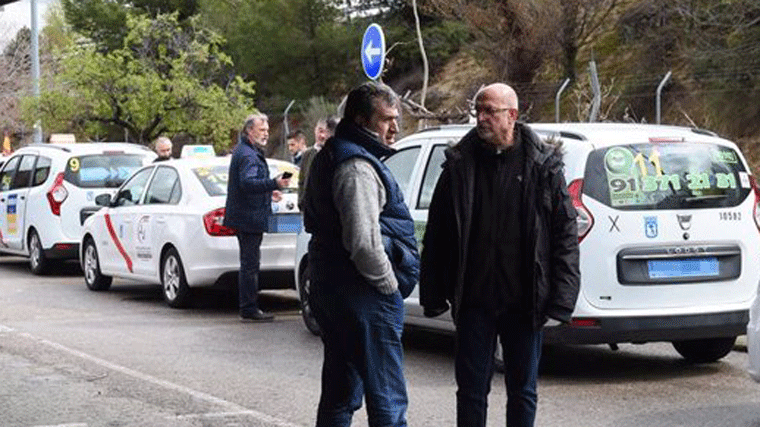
(500,249)
(250,192)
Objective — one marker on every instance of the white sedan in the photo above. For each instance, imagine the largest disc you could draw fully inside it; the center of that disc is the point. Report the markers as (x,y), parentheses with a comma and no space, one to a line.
(164,225)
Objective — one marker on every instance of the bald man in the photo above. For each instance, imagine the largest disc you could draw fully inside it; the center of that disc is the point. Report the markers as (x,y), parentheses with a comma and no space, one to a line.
(163,147)
(502,201)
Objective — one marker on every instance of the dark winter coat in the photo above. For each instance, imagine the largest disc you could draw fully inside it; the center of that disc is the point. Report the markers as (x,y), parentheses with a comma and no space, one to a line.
(551,256)
(249,189)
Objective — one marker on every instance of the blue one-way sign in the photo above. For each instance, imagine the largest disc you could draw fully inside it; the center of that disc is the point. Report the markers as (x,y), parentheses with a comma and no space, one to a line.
(373,51)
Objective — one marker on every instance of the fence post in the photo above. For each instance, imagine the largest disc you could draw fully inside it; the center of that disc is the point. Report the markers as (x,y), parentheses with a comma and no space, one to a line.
(658,102)
(556,99)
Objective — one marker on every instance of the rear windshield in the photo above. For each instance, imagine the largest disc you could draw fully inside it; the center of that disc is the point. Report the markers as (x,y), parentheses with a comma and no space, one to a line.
(666,176)
(102,170)
(213,179)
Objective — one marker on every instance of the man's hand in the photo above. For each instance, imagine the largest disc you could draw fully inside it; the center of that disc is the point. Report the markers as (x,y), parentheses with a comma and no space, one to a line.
(282,182)
(276,195)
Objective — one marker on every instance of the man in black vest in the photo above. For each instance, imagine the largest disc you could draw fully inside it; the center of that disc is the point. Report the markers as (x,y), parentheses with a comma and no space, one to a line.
(363,260)
(500,247)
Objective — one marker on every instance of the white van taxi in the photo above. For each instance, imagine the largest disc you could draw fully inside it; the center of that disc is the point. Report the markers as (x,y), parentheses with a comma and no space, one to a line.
(669,233)
(164,226)
(46,191)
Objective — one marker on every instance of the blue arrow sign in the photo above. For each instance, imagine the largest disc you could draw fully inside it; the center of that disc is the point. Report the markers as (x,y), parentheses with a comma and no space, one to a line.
(373,51)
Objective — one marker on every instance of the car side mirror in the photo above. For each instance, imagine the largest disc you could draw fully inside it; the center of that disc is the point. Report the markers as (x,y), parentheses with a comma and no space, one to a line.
(103,199)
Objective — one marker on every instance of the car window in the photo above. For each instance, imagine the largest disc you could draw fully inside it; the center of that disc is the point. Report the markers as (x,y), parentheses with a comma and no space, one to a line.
(666,176)
(102,170)
(432,173)
(164,187)
(9,171)
(132,190)
(401,165)
(213,179)
(41,171)
(24,172)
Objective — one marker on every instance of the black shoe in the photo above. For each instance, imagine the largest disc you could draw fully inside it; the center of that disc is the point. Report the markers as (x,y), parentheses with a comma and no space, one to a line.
(257,316)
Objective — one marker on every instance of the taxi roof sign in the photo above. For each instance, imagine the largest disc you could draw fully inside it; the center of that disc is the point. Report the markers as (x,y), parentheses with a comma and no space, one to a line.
(63,138)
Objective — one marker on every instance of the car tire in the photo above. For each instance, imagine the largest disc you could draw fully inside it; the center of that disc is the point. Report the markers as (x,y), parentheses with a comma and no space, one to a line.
(173,281)
(93,278)
(705,350)
(304,288)
(38,262)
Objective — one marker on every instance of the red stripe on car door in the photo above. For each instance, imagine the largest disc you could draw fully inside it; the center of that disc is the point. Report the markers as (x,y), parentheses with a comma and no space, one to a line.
(116,241)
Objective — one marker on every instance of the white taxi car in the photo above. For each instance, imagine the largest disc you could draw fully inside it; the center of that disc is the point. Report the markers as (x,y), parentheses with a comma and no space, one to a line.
(669,231)
(46,191)
(164,225)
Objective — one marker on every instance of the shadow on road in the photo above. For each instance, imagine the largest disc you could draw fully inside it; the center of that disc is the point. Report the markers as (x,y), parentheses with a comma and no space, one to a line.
(580,364)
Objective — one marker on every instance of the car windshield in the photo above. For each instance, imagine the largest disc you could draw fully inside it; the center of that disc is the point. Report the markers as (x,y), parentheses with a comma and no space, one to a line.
(102,170)
(213,178)
(666,176)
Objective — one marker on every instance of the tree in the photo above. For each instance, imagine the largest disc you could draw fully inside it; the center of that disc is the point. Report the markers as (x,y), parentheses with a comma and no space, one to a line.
(105,21)
(166,79)
(293,49)
(516,35)
(580,24)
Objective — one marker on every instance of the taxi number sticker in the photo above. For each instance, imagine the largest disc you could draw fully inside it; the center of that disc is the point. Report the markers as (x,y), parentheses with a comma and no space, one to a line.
(74,164)
(730,216)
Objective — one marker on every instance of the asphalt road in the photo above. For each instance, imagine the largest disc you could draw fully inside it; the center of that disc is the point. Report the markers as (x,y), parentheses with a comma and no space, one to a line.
(75,358)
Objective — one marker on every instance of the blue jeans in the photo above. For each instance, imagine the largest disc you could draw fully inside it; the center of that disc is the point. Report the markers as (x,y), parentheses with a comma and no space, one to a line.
(248,276)
(363,355)
(474,364)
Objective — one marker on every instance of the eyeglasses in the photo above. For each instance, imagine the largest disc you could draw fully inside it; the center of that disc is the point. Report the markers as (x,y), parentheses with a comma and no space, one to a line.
(488,111)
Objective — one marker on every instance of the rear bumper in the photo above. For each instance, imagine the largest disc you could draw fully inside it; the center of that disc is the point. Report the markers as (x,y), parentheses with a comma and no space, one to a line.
(608,330)
(63,251)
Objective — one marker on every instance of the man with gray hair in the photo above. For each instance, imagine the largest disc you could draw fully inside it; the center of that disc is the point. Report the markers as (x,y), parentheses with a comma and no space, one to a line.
(250,191)
(163,147)
(363,261)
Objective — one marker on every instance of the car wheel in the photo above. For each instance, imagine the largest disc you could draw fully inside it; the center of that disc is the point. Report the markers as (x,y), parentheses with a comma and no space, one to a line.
(705,350)
(38,262)
(94,279)
(173,281)
(304,288)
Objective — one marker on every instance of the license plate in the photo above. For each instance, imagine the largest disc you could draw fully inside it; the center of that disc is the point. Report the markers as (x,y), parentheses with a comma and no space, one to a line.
(691,267)
(284,223)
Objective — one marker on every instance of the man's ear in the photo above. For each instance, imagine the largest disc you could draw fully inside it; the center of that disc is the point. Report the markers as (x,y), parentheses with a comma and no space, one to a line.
(361,121)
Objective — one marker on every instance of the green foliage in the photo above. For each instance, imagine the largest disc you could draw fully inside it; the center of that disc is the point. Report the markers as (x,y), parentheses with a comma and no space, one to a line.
(105,21)
(294,49)
(165,79)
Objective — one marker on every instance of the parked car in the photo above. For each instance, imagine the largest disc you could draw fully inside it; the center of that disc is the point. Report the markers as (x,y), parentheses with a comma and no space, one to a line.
(753,339)
(164,226)
(669,232)
(46,191)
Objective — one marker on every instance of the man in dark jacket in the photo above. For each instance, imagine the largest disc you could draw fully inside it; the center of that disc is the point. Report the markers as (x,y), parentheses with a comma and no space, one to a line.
(250,192)
(363,261)
(501,249)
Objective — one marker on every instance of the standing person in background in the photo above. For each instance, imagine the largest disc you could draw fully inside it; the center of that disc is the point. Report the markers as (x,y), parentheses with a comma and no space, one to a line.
(324,129)
(163,147)
(250,192)
(363,261)
(296,145)
(500,248)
